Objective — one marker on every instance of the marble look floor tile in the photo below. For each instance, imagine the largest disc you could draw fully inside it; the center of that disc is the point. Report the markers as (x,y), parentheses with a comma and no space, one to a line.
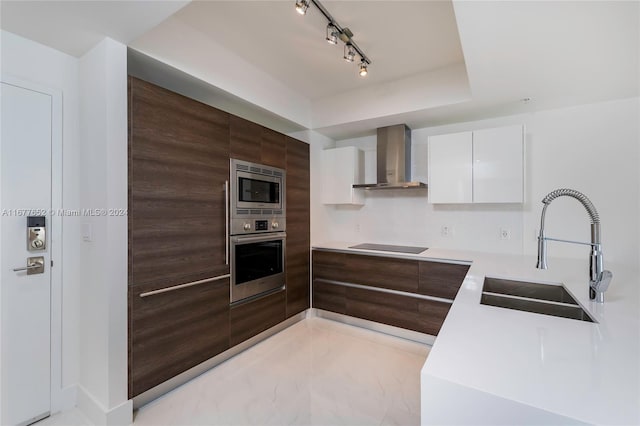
(316,372)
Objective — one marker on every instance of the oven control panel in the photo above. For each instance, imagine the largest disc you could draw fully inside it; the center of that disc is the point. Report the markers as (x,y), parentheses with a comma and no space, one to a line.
(254,226)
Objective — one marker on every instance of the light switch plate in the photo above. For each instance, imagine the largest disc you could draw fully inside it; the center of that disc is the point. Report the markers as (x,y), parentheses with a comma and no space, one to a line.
(87,231)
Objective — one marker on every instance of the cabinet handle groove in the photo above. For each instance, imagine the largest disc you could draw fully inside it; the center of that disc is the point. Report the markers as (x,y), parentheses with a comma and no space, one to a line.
(179,286)
(385,290)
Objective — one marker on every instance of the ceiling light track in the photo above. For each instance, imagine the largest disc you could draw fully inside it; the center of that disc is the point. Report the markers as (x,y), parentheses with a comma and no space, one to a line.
(335,31)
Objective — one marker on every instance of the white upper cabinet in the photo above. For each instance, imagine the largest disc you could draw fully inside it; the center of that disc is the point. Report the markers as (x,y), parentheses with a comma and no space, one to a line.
(483,166)
(342,168)
(450,168)
(498,165)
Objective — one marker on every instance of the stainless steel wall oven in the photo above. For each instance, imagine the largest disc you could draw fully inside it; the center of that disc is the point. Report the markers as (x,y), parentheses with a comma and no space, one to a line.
(257,229)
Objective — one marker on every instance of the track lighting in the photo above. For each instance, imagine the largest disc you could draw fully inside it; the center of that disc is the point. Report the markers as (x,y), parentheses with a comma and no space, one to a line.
(363,69)
(335,32)
(302,6)
(332,34)
(349,53)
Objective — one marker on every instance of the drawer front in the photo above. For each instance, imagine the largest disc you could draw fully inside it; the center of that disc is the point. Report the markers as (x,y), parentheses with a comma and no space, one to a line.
(255,316)
(174,331)
(375,271)
(329,297)
(432,314)
(441,279)
(400,311)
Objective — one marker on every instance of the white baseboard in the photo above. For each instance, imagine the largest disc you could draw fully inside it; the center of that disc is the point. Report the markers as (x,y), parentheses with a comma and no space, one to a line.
(121,415)
(64,399)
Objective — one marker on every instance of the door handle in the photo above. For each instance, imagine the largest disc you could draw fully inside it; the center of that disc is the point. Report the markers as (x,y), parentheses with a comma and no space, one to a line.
(35,265)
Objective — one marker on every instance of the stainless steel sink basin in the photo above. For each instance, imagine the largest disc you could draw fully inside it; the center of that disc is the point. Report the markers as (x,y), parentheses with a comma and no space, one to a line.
(538,298)
(552,293)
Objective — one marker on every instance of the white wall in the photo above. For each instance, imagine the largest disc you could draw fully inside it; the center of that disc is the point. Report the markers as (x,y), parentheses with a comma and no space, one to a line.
(592,148)
(103,294)
(35,63)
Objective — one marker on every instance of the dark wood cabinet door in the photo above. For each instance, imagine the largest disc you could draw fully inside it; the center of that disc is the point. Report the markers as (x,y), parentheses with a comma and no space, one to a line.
(329,297)
(441,279)
(273,148)
(376,271)
(178,164)
(245,139)
(173,331)
(401,311)
(298,226)
(253,317)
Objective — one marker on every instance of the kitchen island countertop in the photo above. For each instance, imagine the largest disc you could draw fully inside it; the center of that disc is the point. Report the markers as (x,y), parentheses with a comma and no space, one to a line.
(491,365)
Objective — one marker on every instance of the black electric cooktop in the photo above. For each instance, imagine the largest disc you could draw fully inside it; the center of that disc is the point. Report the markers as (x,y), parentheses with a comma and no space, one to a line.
(387,247)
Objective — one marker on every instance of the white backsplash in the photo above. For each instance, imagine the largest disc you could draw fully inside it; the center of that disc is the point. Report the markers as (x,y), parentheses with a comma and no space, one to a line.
(592,148)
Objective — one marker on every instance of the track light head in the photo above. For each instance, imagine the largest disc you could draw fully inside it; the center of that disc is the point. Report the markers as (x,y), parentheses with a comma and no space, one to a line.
(302,6)
(363,69)
(332,34)
(349,53)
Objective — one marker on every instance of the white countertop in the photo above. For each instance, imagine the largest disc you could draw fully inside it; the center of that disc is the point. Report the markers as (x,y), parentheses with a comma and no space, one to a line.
(589,372)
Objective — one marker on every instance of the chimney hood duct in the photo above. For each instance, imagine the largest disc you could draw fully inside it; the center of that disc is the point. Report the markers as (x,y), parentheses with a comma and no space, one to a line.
(394,160)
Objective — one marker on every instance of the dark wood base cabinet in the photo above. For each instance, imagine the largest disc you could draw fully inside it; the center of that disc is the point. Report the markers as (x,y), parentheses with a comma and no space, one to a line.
(335,273)
(175,330)
(255,316)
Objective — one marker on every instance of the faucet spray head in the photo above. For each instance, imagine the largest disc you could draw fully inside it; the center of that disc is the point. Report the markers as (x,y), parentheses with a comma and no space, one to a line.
(542,252)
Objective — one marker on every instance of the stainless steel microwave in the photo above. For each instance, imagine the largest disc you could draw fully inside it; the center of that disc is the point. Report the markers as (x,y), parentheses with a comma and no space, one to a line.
(257,198)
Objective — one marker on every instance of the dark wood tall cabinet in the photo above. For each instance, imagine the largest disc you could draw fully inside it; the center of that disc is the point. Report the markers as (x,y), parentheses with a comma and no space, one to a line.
(178,165)
(252,142)
(179,301)
(298,226)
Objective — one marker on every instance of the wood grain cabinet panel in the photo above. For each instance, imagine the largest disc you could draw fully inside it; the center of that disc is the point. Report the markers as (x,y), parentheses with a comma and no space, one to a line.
(273,148)
(441,279)
(174,331)
(376,271)
(413,277)
(401,311)
(178,163)
(432,315)
(329,297)
(245,139)
(255,316)
(252,142)
(298,226)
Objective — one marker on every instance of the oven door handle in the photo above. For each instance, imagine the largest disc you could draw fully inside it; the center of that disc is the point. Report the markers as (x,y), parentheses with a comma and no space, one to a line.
(259,238)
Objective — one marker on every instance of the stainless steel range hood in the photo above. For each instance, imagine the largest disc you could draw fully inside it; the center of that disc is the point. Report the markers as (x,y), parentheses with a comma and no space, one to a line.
(394,160)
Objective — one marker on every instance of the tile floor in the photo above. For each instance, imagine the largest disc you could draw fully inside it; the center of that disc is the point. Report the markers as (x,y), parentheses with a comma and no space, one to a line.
(316,372)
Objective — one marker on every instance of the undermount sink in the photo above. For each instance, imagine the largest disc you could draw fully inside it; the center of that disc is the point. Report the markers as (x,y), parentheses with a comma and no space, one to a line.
(546,299)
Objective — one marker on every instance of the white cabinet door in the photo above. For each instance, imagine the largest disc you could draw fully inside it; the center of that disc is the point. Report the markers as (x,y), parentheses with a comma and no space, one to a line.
(341,169)
(498,165)
(450,168)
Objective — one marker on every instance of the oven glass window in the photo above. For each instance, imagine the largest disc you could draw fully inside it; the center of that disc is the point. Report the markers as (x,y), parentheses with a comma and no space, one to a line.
(258,260)
(258,191)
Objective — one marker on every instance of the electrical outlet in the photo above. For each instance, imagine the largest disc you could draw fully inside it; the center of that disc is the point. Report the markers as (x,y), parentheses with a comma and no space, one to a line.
(357,228)
(446,231)
(505,233)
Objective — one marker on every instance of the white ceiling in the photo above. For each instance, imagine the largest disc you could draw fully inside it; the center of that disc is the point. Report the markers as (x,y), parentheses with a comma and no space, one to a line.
(74,27)
(559,53)
(402,38)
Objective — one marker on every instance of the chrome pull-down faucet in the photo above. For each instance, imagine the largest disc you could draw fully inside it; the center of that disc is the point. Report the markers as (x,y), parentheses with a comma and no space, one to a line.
(599,279)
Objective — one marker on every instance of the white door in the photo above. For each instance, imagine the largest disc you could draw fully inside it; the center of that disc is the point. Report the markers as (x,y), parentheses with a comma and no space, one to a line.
(25,299)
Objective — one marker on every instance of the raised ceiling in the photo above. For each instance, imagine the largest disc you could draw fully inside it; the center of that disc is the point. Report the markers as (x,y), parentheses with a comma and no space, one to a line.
(434,62)
(402,38)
